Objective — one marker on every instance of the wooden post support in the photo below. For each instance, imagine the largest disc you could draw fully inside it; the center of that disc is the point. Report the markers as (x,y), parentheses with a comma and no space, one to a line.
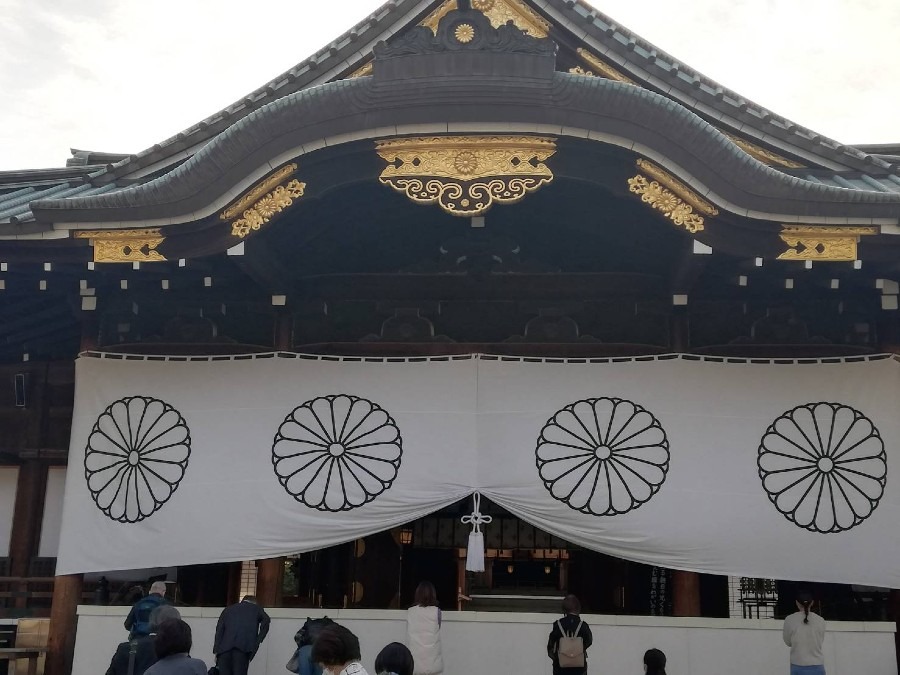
(27,515)
(63,622)
(680,331)
(268,581)
(270,572)
(67,588)
(685,593)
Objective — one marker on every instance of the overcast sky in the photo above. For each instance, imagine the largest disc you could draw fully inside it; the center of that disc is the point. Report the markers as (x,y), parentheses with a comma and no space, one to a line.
(121,75)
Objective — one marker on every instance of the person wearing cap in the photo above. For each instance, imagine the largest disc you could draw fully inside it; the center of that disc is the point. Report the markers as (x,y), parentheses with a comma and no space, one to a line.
(137,623)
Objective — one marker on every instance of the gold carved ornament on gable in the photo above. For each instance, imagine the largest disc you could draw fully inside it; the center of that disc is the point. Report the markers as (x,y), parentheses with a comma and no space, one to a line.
(466,175)
(668,195)
(125,245)
(260,204)
(498,12)
(822,243)
(599,68)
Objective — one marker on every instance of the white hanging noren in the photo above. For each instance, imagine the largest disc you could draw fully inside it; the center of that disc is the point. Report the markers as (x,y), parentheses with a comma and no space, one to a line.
(475,552)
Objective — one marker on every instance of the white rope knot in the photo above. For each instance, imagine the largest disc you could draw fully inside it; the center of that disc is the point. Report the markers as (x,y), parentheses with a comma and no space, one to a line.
(476,519)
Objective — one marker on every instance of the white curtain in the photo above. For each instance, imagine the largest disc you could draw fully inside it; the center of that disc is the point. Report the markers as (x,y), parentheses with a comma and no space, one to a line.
(742,468)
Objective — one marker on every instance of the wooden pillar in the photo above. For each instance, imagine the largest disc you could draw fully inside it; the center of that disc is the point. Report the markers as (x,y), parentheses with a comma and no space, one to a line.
(27,516)
(67,588)
(270,572)
(685,593)
(63,624)
(680,330)
(268,581)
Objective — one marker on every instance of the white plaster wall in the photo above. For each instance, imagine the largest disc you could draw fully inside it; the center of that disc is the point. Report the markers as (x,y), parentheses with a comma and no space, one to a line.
(53,505)
(9,477)
(515,644)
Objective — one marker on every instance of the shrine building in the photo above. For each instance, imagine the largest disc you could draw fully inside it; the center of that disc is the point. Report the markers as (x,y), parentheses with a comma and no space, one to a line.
(497,228)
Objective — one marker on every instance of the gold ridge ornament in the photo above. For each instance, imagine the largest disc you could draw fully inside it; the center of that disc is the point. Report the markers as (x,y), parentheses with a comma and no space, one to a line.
(466,175)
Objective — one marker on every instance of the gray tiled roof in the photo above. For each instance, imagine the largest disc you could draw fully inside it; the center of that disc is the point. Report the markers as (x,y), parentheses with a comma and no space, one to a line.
(870,172)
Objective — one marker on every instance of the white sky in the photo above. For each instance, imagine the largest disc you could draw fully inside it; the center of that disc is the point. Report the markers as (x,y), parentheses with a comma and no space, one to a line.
(121,75)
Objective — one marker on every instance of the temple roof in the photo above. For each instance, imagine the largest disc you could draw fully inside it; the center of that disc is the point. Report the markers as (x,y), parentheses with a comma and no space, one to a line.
(812,165)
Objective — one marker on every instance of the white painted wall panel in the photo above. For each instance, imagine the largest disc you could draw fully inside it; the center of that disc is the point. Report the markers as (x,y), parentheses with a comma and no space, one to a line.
(53,506)
(507,643)
(9,477)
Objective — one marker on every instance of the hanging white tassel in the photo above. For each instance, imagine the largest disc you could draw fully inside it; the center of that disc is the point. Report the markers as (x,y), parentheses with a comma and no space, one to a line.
(475,552)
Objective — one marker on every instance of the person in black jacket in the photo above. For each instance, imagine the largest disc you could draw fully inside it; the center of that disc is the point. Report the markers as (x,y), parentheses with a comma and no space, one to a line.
(571,607)
(136,655)
(240,631)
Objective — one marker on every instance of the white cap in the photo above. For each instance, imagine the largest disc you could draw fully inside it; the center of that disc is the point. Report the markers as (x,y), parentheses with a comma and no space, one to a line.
(158,587)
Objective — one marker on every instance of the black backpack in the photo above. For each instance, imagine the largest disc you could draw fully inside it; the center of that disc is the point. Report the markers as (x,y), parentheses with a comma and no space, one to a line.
(310,630)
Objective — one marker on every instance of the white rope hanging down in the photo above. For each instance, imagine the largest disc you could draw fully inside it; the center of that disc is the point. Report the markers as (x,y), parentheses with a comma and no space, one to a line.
(475,552)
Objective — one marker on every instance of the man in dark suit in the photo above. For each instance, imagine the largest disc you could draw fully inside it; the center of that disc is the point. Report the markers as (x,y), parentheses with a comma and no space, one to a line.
(241,629)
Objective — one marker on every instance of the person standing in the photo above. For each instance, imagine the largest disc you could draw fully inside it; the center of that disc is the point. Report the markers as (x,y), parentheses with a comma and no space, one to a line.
(423,631)
(804,632)
(574,635)
(240,631)
(137,623)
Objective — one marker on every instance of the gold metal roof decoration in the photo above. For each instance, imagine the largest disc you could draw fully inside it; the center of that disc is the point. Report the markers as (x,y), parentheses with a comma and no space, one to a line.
(362,71)
(498,12)
(824,244)
(266,199)
(765,156)
(124,245)
(668,195)
(466,175)
(599,68)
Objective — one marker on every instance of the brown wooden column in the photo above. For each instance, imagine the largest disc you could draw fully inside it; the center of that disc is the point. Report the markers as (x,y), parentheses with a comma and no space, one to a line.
(685,593)
(27,516)
(270,572)
(680,330)
(268,581)
(67,588)
(63,623)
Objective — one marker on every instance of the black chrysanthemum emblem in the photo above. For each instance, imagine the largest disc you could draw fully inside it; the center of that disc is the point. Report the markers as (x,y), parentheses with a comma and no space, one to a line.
(603,456)
(823,466)
(336,453)
(136,456)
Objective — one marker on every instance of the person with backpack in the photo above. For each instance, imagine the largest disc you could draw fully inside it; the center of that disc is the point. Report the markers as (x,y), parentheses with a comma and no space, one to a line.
(569,640)
(301,662)
(136,655)
(137,623)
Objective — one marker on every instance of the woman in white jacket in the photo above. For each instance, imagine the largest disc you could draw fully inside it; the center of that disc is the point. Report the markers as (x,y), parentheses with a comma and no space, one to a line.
(423,630)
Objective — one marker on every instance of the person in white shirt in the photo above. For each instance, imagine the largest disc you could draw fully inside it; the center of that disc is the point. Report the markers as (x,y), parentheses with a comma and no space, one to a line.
(423,631)
(804,632)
